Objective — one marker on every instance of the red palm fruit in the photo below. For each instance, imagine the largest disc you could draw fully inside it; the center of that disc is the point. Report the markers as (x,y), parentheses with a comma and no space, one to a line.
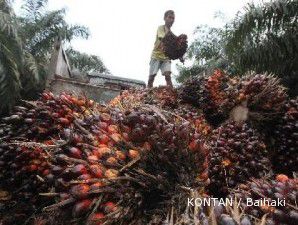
(104,139)
(48,142)
(92,158)
(45,172)
(102,146)
(282,178)
(120,155)
(80,102)
(147,146)
(64,121)
(116,137)
(112,160)
(96,219)
(86,176)
(79,169)
(45,96)
(103,125)
(97,170)
(90,102)
(111,173)
(133,154)
(194,145)
(126,129)
(102,151)
(75,152)
(77,138)
(109,207)
(203,176)
(81,208)
(80,191)
(112,129)
(96,186)
(125,136)
(111,144)
(32,167)
(55,115)
(105,117)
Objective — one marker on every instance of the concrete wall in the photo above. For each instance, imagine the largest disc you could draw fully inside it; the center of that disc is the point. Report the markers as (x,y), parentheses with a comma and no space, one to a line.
(100,94)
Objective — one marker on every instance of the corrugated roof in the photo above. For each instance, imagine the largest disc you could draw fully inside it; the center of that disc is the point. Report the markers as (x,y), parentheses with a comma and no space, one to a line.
(112,77)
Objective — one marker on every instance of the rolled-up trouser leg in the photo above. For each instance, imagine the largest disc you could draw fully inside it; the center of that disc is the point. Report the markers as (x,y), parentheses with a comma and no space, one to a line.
(151,80)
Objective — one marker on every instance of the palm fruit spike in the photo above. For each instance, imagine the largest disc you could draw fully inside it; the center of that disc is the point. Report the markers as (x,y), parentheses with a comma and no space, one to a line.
(161,175)
(88,148)
(285,159)
(190,91)
(69,139)
(237,153)
(276,198)
(175,47)
(215,95)
(219,97)
(264,94)
(163,96)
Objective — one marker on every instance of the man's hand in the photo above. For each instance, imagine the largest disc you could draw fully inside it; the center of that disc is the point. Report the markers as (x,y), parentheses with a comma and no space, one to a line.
(181,59)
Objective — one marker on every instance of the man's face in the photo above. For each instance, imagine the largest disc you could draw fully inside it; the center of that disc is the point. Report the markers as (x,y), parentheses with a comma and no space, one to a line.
(169,20)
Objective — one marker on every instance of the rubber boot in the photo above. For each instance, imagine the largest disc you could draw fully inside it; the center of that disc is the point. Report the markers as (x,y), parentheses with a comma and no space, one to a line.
(150,81)
(169,80)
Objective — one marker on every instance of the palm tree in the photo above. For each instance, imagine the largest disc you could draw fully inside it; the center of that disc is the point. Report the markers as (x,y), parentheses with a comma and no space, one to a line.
(265,38)
(11,58)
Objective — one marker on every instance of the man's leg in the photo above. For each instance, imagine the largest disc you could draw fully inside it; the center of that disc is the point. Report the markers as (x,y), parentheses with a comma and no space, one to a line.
(168,78)
(154,67)
(151,80)
(166,71)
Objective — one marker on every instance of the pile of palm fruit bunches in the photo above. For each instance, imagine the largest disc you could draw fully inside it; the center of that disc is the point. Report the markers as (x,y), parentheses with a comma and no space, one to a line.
(218,150)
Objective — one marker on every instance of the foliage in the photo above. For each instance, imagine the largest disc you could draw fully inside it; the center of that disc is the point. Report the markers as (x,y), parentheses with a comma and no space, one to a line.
(262,38)
(26,43)
(10,58)
(265,38)
(85,63)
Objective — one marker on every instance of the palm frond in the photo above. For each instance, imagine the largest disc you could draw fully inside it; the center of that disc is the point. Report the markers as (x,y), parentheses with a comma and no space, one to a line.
(86,63)
(9,80)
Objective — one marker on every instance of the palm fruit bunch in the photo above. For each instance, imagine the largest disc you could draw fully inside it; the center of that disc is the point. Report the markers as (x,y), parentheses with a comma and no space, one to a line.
(277,198)
(237,153)
(191,90)
(166,100)
(285,159)
(162,175)
(23,170)
(216,95)
(264,94)
(82,153)
(162,96)
(48,144)
(175,46)
(127,99)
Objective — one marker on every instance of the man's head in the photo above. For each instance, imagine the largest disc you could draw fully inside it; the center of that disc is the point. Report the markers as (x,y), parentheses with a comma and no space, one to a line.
(169,18)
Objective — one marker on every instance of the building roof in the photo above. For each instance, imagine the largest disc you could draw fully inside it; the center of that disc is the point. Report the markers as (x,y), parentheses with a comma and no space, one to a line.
(116,78)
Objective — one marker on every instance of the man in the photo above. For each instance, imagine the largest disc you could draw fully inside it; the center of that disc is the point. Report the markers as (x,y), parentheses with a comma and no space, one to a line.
(159,61)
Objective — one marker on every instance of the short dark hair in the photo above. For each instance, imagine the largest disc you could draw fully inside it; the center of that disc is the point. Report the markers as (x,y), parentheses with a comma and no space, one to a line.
(168,12)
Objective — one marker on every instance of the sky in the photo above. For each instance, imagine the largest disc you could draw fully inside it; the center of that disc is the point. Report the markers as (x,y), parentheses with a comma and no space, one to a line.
(123,32)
